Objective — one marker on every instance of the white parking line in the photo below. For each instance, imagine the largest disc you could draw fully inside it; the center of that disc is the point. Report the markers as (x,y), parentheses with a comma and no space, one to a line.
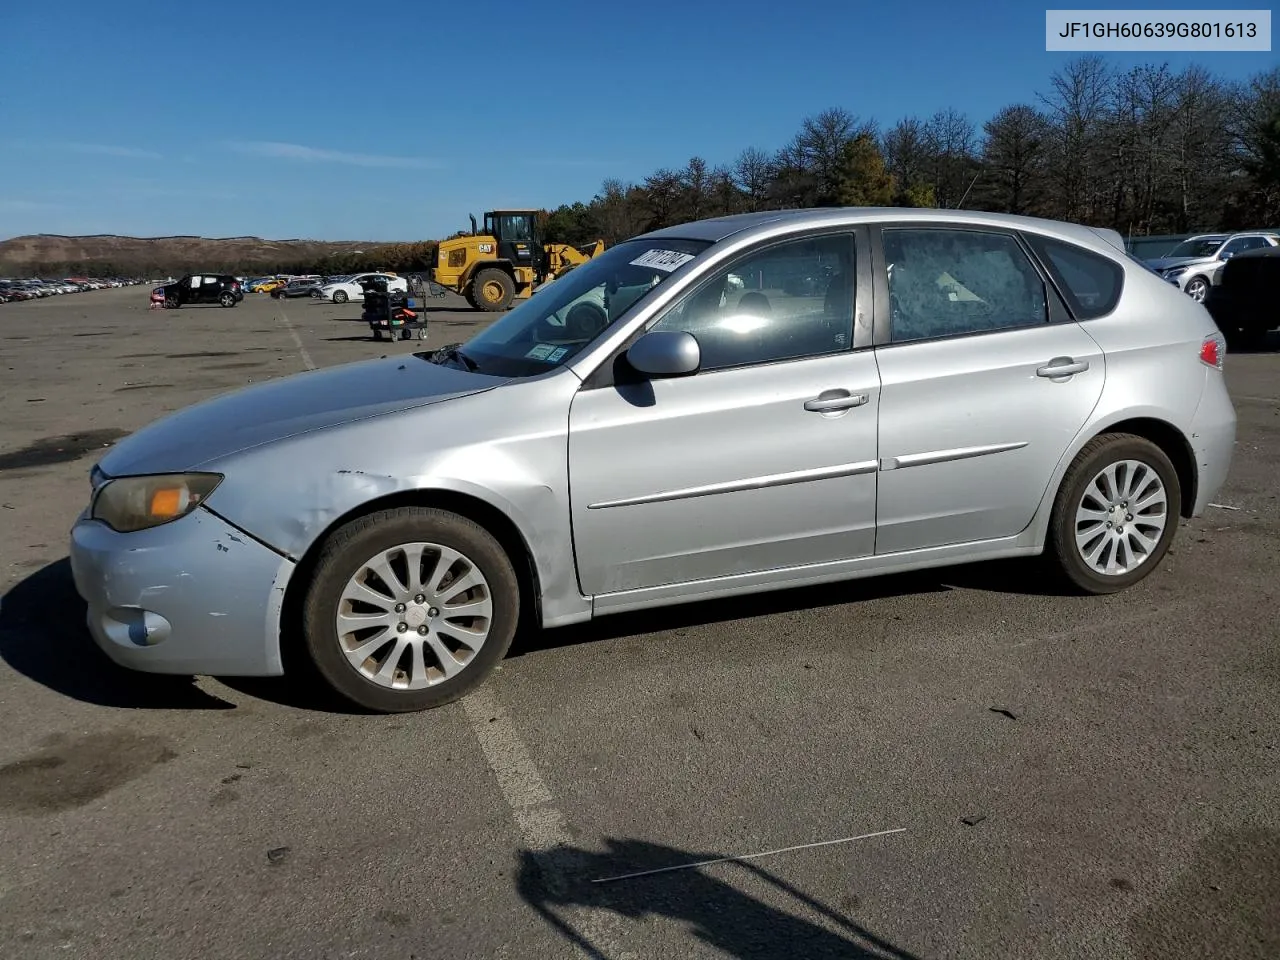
(302,351)
(542,826)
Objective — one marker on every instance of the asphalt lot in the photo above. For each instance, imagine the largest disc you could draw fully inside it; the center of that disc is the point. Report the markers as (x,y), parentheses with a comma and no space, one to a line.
(1074,777)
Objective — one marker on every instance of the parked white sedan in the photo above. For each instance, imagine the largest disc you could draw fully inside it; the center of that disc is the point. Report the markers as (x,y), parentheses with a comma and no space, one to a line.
(342,289)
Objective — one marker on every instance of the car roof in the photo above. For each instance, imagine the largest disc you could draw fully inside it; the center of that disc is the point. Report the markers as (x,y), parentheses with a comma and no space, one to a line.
(717,229)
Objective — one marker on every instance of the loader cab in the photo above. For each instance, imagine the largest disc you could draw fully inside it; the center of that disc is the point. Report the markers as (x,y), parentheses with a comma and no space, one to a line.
(516,233)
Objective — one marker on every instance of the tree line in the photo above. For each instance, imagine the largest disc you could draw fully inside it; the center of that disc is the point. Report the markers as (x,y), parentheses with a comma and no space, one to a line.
(1146,151)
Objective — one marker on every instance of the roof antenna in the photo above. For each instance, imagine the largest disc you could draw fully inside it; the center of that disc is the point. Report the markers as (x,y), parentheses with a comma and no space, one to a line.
(966,193)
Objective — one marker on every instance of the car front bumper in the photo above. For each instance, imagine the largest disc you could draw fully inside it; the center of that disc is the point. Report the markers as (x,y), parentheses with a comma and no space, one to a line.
(195,596)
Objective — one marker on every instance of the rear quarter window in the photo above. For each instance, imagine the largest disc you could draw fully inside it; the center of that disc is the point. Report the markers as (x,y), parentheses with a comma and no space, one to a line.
(1090,282)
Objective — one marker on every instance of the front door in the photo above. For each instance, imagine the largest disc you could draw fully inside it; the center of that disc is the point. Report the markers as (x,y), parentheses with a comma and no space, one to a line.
(985,381)
(764,459)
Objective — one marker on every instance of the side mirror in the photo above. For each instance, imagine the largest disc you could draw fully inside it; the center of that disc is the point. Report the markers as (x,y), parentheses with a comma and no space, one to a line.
(665,353)
(1228,254)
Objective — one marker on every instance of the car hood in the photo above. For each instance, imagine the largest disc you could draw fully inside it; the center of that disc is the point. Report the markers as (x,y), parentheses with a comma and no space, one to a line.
(277,409)
(1164,263)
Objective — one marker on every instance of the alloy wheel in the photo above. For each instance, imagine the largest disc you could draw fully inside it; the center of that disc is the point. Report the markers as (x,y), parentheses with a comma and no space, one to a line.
(414,615)
(1121,517)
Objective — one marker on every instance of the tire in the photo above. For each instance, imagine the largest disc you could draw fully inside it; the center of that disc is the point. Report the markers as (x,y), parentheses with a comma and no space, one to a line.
(344,557)
(1197,289)
(172,304)
(340,296)
(492,290)
(1141,460)
(227,300)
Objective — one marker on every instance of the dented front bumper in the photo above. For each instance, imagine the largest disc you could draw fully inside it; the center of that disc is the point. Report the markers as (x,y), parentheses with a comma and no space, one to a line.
(195,596)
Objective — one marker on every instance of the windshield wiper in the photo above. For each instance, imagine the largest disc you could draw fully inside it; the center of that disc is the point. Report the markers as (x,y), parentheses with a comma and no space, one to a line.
(451,352)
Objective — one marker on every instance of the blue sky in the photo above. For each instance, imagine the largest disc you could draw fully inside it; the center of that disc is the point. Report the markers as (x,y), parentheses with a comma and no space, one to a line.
(393,120)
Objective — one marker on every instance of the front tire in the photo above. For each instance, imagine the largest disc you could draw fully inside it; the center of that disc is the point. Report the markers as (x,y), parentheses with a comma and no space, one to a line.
(1115,515)
(409,609)
(340,296)
(493,290)
(1197,289)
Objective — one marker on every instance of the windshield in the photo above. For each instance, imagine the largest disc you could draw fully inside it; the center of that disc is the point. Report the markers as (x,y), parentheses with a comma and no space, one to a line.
(563,317)
(1197,247)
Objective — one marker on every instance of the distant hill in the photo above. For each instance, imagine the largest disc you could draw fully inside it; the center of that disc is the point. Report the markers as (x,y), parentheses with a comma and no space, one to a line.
(127,255)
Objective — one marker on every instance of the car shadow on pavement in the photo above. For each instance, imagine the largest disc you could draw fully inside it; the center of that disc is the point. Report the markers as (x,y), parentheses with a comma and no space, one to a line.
(998,576)
(43,637)
(708,909)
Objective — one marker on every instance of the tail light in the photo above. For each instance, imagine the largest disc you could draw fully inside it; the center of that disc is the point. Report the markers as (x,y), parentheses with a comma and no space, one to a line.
(1213,350)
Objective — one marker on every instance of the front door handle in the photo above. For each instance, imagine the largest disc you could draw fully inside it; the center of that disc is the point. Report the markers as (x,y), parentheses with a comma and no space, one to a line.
(831,400)
(1062,367)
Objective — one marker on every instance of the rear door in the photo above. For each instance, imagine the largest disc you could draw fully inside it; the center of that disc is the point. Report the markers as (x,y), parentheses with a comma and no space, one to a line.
(985,381)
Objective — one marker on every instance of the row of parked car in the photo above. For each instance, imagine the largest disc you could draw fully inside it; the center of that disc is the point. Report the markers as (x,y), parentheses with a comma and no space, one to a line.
(12,290)
(338,289)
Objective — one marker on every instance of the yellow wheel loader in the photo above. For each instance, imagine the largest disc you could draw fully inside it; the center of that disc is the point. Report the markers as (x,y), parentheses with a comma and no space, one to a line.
(505,262)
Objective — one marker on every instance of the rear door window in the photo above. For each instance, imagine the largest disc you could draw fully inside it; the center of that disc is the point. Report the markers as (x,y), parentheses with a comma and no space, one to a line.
(953,282)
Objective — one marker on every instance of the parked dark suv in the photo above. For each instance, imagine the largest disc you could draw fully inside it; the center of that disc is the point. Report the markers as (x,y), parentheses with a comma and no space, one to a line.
(298,288)
(1246,302)
(216,288)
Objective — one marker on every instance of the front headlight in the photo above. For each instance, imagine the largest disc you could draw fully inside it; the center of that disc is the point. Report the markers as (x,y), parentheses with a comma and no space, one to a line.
(1173,272)
(126,504)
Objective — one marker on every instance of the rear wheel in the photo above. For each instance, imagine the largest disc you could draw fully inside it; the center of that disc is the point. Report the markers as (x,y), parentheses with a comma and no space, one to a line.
(410,609)
(227,300)
(493,289)
(1115,514)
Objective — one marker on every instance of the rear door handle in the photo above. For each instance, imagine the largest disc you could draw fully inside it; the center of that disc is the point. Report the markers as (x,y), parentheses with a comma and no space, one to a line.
(830,400)
(1062,367)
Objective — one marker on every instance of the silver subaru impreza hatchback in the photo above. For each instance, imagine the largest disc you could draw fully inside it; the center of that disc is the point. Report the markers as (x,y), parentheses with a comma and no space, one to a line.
(728,406)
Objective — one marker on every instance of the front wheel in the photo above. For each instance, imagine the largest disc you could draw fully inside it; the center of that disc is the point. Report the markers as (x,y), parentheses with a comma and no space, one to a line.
(410,608)
(340,296)
(1197,289)
(493,289)
(1115,514)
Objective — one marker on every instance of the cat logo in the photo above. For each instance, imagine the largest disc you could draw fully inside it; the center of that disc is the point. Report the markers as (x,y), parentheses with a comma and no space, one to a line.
(486,248)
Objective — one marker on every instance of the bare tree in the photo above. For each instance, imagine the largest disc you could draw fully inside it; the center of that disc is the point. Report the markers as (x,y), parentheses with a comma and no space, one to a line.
(1201,149)
(1077,107)
(752,172)
(906,153)
(951,159)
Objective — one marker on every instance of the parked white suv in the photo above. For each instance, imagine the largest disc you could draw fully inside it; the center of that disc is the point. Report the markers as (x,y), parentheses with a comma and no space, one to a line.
(342,289)
(1196,263)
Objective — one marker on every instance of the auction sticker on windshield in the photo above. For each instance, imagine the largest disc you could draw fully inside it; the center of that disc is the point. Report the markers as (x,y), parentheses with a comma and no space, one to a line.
(667,260)
(540,352)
